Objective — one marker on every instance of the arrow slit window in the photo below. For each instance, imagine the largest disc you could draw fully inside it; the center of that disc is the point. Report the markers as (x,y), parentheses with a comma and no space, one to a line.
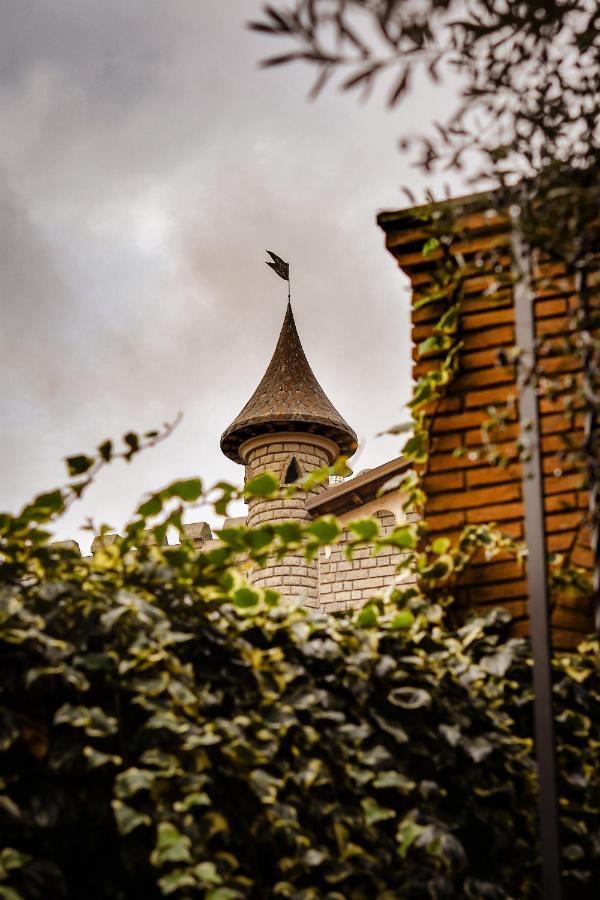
(292,472)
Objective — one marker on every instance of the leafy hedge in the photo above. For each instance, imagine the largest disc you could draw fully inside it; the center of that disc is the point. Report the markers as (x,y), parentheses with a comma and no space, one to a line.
(167,730)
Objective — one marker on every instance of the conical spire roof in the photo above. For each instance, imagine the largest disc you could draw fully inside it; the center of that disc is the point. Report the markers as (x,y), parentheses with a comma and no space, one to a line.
(289,398)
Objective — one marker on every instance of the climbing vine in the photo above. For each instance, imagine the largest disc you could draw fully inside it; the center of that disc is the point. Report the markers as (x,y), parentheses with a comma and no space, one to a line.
(526,124)
(226,744)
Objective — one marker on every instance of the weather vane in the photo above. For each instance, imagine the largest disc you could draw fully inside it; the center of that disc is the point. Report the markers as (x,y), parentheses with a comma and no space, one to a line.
(281,268)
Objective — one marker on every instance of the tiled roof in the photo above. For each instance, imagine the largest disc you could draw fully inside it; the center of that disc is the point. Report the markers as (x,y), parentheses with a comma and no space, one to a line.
(353,492)
(289,398)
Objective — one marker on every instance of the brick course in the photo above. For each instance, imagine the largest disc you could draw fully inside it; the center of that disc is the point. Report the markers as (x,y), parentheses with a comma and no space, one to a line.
(466,489)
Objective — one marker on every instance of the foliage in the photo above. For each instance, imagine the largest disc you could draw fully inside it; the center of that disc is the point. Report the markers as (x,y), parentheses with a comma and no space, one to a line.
(168,730)
(527,77)
(526,73)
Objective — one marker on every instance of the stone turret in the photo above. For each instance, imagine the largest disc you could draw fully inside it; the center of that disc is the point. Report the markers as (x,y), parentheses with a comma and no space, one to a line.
(290,428)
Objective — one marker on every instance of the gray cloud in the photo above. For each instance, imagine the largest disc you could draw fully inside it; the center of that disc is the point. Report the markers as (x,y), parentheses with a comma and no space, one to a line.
(146,163)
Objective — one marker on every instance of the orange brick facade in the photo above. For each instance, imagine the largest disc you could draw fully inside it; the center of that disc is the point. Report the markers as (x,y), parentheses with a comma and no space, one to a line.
(466,489)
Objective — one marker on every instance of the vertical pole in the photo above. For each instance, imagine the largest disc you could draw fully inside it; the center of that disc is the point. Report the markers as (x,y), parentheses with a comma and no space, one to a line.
(537,573)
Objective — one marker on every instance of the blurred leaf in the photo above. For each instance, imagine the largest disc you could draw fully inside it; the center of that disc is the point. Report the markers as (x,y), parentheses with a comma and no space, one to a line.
(175,880)
(150,507)
(440,545)
(246,597)
(365,529)
(264,485)
(128,819)
(188,490)
(409,697)
(368,617)
(76,465)
(171,845)
(374,813)
(325,529)
(403,619)
(416,448)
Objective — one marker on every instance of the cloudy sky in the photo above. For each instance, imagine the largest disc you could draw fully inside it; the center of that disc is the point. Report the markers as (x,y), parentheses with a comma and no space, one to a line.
(146,163)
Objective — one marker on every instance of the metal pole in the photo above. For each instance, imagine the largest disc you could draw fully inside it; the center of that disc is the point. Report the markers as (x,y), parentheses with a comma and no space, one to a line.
(537,575)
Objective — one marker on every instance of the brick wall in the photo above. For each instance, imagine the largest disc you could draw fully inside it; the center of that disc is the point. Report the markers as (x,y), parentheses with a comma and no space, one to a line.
(466,489)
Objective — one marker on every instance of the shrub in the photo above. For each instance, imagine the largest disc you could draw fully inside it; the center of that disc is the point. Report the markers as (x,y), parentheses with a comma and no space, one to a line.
(165,729)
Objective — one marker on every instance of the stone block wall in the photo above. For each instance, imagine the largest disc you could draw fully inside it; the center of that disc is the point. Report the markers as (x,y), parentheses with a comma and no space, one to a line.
(344,584)
(275,455)
(335,583)
(294,574)
(466,489)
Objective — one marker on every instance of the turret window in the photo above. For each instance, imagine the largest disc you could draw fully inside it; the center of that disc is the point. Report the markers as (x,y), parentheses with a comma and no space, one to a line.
(292,473)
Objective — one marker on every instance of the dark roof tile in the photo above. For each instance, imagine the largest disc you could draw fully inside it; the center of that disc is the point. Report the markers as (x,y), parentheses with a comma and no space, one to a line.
(288,398)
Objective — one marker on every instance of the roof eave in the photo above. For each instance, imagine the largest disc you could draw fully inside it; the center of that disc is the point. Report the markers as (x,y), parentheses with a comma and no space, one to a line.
(389,219)
(357,491)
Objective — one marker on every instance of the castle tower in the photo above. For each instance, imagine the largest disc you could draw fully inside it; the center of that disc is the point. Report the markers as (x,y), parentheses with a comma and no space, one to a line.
(290,428)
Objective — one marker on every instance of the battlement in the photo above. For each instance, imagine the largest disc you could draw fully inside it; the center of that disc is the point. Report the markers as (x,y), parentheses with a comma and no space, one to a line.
(200,534)
(335,583)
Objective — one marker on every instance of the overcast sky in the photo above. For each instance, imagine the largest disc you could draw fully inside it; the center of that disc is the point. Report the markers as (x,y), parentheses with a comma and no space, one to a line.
(146,163)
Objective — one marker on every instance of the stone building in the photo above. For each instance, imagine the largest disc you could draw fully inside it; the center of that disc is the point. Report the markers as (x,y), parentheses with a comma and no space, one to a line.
(290,427)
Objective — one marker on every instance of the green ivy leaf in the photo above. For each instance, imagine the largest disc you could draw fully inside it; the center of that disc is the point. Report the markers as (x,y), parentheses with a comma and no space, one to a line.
(368,617)
(402,620)
(105,450)
(416,448)
(404,537)
(233,537)
(44,506)
(11,859)
(92,719)
(171,845)
(430,246)
(365,529)
(77,465)
(259,537)
(175,880)
(96,758)
(127,818)
(223,893)
(325,529)
(374,813)
(150,507)
(406,835)
(434,344)
(8,893)
(132,780)
(196,798)
(188,490)
(206,872)
(264,485)
(449,321)
(245,597)
(395,780)
(424,391)
(440,569)
(288,532)
(131,439)
(440,545)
